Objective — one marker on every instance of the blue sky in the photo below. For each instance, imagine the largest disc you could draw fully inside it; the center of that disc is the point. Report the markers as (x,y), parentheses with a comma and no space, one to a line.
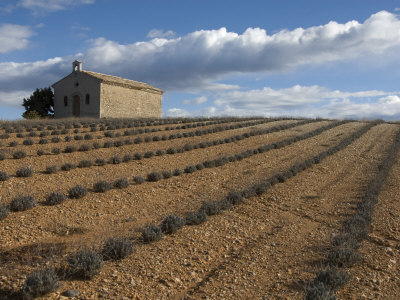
(335,59)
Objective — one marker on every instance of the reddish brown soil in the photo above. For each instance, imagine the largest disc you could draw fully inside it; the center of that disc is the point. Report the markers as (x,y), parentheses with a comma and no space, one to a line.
(269,247)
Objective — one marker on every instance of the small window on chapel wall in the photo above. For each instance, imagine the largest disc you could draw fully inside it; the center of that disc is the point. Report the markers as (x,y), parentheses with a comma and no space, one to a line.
(65,101)
(87,101)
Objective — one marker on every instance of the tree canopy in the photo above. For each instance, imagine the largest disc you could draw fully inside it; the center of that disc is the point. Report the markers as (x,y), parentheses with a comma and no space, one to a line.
(41,102)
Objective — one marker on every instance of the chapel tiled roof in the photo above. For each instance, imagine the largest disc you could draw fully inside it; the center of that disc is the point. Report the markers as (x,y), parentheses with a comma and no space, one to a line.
(123,82)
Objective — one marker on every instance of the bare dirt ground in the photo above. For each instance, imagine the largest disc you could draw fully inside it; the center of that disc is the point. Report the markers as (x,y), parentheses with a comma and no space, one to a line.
(268,247)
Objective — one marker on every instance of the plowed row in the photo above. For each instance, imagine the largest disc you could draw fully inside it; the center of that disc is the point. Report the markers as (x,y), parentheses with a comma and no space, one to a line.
(268,247)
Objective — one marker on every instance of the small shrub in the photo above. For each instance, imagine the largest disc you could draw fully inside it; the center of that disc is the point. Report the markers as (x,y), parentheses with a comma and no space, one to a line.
(166,174)
(210,208)
(96,145)
(200,166)
(160,152)
(235,198)
(70,149)
(100,162)
(190,169)
(108,144)
(55,198)
(171,224)
(4,176)
(22,203)
(51,169)
(319,291)
(343,257)
(152,233)
(138,140)
(127,158)
(56,150)
(28,142)
(195,218)
(118,143)
(262,188)
(24,172)
(154,176)
(334,278)
(40,152)
(85,264)
(121,183)
(13,144)
(117,248)
(171,151)
(149,154)
(85,163)
(84,148)
(209,164)
(19,154)
(102,186)
(138,179)
(43,141)
(138,156)
(225,204)
(40,283)
(55,139)
(77,192)
(187,147)
(78,138)
(3,212)
(115,160)
(128,142)
(88,137)
(177,172)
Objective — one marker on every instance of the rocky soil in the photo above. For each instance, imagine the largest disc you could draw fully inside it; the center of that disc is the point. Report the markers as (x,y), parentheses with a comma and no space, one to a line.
(269,247)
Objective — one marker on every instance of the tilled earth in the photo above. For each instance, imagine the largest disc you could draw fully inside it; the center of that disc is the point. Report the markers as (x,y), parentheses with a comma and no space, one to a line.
(269,247)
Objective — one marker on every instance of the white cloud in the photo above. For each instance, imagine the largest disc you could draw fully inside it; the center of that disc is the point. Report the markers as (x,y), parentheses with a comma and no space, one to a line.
(17,78)
(198,100)
(159,33)
(40,6)
(14,98)
(14,37)
(310,101)
(176,113)
(397,9)
(201,57)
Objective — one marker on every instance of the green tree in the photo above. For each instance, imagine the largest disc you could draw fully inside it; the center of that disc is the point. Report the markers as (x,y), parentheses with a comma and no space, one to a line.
(41,101)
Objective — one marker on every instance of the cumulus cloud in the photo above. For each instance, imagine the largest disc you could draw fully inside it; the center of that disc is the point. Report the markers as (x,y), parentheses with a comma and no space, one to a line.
(17,78)
(14,99)
(14,37)
(309,101)
(198,100)
(159,33)
(206,55)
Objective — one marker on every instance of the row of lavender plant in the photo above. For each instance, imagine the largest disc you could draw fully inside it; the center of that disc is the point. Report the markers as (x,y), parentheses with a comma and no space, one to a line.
(147,139)
(86,263)
(343,252)
(22,203)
